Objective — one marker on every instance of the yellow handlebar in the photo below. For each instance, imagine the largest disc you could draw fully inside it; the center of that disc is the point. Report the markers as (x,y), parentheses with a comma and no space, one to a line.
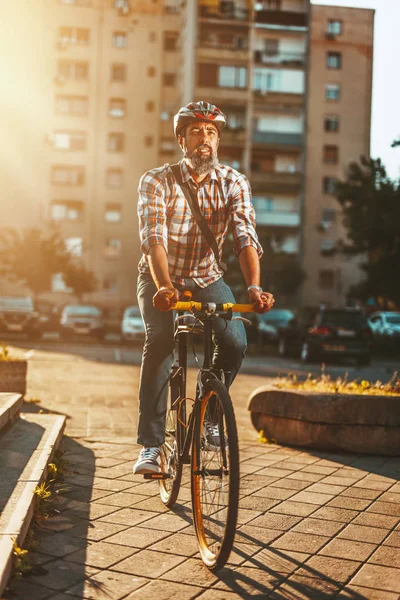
(199,306)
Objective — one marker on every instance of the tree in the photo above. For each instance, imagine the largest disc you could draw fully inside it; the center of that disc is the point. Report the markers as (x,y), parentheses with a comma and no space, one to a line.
(32,257)
(79,279)
(371,214)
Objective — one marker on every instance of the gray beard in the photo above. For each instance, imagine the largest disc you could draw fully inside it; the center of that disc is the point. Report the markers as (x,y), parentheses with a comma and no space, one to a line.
(202,165)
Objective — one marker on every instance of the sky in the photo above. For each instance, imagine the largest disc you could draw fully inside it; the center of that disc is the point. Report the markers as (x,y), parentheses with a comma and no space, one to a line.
(385,122)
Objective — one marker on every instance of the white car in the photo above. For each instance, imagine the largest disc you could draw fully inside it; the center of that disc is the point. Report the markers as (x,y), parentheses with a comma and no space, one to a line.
(385,327)
(132,326)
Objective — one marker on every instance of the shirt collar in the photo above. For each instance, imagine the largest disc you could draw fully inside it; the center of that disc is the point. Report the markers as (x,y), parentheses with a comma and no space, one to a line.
(186,173)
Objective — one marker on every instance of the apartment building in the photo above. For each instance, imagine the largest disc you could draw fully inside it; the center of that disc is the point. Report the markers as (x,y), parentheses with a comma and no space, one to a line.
(90,109)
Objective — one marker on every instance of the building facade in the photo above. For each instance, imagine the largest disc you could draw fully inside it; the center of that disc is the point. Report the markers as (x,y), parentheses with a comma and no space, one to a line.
(91,109)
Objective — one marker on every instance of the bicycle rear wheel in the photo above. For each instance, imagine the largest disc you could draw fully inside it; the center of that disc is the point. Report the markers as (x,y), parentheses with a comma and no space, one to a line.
(215,477)
(174,435)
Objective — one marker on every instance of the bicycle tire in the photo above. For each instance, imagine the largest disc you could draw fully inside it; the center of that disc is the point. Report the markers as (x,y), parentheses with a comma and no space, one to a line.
(170,450)
(215,478)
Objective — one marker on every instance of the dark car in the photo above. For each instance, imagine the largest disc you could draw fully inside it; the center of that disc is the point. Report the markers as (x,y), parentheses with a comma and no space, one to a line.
(81,320)
(270,323)
(327,333)
(18,315)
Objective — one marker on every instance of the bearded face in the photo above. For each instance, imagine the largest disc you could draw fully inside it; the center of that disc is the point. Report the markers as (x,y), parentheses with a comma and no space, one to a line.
(200,145)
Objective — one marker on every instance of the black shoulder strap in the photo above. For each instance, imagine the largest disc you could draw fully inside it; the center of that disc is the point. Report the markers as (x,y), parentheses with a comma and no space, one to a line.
(196,212)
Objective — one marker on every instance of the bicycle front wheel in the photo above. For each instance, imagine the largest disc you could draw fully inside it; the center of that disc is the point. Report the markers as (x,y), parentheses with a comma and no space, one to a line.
(170,462)
(215,475)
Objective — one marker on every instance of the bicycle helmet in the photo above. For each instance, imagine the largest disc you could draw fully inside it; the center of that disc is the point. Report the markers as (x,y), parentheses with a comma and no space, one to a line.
(201,111)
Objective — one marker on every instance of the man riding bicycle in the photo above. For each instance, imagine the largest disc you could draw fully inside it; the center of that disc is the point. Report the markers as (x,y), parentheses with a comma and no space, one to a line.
(177,255)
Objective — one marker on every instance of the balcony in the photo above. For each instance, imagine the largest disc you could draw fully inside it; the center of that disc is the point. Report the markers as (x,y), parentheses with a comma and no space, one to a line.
(292,59)
(272,138)
(281,19)
(217,95)
(233,136)
(222,51)
(226,11)
(267,98)
(277,218)
(275,181)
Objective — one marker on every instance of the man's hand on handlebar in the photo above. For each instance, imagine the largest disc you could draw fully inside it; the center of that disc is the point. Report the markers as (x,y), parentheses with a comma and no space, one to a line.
(165,298)
(262,301)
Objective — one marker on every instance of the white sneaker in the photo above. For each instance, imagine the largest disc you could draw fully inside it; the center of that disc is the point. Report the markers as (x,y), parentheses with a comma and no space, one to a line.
(211,436)
(147,462)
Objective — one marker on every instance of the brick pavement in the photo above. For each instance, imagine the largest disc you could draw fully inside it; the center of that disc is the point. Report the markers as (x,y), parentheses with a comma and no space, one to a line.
(311,525)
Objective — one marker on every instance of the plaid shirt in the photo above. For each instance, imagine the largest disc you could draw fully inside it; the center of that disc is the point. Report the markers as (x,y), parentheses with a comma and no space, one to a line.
(165,218)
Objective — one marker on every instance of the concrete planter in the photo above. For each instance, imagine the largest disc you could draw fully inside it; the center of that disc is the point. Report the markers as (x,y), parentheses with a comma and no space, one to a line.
(339,422)
(13,376)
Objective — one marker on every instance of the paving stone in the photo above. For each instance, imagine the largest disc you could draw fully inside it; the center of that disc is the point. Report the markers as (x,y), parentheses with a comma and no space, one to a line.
(274,493)
(193,570)
(305,588)
(318,527)
(275,521)
(111,462)
(393,539)
(256,503)
(290,484)
(182,545)
(60,545)
(378,577)
(351,503)
(96,531)
(123,499)
(148,563)
(386,556)
(137,537)
(319,469)
(276,560)
(371,484)
(363,533)
(108,585)
(166,522)
(152,504)
(385,508)
(376,520)
(324,488)
(352,592)
(242,553)
(350,549)
(336,569)
(62,574)
(86,494)
(306,476)
(252,483)
(101,555)
(312,498)
(390,497)
(357,492)
(342,481)
(275,472)
(300,542)
(112,485)
(128,516)
(214,594)
(165,590)
(90,510)
(331,513)
(24,589)
(294,508)
(247,582)
(63,522)
(256,535)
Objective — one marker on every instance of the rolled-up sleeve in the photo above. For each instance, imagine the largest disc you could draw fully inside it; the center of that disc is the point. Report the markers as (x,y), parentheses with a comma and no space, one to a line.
(242,215)
(152,214)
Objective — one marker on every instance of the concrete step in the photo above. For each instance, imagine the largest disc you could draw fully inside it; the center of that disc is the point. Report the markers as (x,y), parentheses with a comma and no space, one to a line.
(10,406)
(26,448)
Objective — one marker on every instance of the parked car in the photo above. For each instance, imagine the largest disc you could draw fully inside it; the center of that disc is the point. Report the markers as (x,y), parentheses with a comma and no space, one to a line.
(385,327)
(18,315)
(327,333)
(81,320)
(269,324)
(132,326)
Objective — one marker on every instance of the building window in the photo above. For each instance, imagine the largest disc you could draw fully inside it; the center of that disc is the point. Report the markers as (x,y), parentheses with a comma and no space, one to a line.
(334,27)
(72,69)
(329,185)
(334,60)
(151,71)
(235,120)
(232,77)
(114,178)
(328,217)
(169,79)
(77,2)
(73,35)
(150,106)
(326,279)
(112,213)
(74,246)
(68,175)
(331,154)
(110,283)
(66,210)
(116,142)
(164,115)
(69,140)
(120,39)
(170,41)
(118,72)
(148,140)
(112,248)
(72,105)
(167,146)
(331,123)
(117,107)
(262,204)
(332,91)
(327,247)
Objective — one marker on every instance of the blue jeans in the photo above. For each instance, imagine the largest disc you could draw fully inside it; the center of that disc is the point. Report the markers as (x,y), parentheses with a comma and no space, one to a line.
(230,347)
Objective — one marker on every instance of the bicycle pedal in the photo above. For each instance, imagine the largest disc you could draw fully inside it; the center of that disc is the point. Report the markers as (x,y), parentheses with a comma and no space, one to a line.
(157,476)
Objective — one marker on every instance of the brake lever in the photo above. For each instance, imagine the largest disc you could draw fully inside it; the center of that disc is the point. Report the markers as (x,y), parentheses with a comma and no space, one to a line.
(242,319)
